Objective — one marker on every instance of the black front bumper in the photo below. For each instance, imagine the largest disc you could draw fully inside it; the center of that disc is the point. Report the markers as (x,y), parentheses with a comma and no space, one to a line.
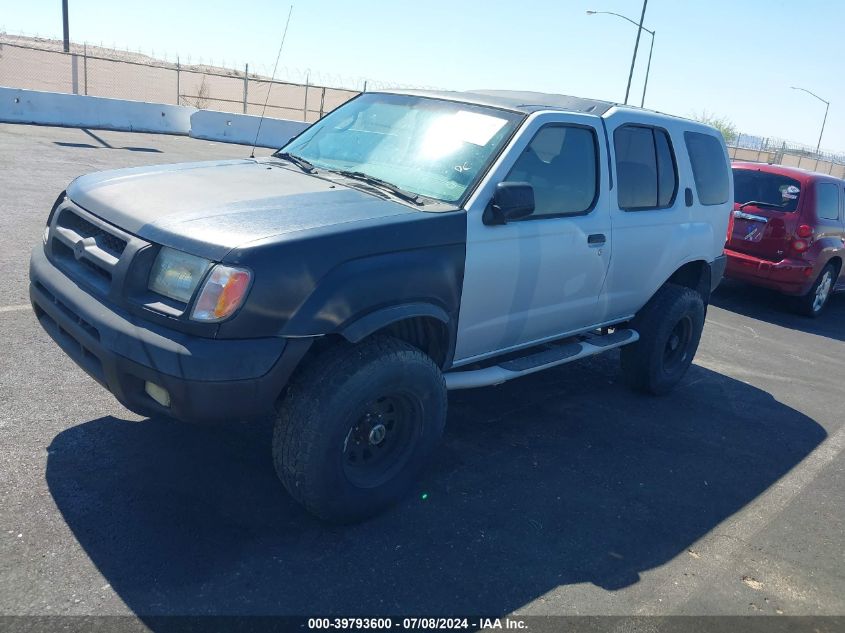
(208,380)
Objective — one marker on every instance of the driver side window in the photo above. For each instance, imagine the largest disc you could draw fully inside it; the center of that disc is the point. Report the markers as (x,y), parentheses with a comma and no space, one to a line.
(561,164)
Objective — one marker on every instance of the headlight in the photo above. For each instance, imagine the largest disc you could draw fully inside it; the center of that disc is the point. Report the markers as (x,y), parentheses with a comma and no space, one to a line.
(222,293)
(176,274)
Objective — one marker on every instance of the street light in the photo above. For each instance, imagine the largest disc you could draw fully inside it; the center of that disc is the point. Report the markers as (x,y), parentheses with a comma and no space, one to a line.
(826,107)
(650,50)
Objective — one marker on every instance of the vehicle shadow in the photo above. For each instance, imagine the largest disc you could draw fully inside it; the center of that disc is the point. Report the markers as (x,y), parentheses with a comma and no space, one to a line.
(771,307)
(563,477)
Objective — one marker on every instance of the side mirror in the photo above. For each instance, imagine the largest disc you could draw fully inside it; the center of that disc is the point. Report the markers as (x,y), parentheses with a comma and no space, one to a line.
(511,201)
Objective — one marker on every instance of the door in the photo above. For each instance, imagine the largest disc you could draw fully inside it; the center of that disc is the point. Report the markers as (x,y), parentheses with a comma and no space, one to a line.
(655,230)
(540,277)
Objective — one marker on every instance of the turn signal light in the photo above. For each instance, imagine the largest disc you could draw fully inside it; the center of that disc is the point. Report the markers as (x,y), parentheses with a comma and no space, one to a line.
(799,246)
(222,293)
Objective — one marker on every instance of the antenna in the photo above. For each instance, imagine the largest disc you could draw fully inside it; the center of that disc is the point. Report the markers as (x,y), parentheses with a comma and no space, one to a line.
(270,87)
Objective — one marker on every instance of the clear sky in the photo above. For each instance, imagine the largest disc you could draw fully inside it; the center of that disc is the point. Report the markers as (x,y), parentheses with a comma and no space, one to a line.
(736,58)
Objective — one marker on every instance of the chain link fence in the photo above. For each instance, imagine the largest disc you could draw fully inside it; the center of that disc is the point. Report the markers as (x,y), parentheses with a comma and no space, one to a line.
(746,147)
(100,72)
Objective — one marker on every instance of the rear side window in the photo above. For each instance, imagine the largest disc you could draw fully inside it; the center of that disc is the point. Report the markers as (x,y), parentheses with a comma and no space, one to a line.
(561,164)
(827,201)
(772,190)
(709,168)
(645,168)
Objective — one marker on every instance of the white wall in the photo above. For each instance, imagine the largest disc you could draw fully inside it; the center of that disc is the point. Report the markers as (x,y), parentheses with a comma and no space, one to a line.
(51,108)
(241,128)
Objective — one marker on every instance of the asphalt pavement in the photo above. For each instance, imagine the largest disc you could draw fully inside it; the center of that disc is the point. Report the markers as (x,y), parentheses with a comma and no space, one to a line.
(558,493)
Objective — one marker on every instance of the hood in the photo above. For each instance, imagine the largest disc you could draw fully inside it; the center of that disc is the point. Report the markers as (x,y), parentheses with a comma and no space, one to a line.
(209,208)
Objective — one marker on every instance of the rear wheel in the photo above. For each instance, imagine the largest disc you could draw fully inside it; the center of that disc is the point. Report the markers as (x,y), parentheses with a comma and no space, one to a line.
(812,303)
(670,328)
(357,426)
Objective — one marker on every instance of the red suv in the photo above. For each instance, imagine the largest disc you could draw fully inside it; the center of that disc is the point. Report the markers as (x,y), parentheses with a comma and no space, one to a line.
(787,232)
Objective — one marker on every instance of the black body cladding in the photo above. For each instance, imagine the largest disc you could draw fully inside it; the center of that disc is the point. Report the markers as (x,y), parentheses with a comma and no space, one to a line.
(323,281)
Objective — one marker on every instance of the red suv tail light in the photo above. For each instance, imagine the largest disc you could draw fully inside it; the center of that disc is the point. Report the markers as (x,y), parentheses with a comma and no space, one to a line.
(803,238)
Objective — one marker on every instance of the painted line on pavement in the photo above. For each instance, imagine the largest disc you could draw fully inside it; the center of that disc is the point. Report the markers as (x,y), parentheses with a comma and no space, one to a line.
(17,308)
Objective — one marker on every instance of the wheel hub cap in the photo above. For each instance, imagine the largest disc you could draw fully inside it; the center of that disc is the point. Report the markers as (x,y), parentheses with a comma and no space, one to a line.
(675,351)
(377,434)
(381,440)
(822,292)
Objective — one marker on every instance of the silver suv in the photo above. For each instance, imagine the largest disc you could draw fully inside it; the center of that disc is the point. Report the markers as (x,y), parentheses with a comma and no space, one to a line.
(406,244)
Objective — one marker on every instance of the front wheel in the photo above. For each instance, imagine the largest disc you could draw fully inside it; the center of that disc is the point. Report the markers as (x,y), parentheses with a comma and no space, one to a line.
(357,426)
(812,303)
(670,328)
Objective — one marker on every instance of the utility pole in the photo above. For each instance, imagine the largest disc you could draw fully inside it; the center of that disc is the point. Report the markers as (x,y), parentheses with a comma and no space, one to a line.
(65,27)
(647,68)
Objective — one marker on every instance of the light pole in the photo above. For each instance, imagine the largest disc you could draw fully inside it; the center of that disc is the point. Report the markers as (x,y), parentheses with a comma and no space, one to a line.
(65,29)
(826,107)
(650,50)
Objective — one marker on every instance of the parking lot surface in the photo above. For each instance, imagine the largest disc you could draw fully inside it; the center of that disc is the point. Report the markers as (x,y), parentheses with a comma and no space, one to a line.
(559,493)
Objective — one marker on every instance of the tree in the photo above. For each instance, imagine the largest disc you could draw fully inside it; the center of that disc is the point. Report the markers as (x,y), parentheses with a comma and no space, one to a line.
(200,101)
(721,123)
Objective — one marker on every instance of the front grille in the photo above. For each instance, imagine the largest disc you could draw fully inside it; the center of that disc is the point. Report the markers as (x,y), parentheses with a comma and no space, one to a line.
(108,242)
(87,248)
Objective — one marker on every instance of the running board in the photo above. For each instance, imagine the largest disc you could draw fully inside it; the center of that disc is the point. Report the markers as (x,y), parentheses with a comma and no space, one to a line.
(556,354)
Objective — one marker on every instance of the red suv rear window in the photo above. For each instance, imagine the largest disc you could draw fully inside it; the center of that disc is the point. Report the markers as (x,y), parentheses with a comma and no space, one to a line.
(776,192)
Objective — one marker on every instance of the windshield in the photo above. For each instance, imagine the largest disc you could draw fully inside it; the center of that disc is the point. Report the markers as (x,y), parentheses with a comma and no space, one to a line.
(775,191)
(427,147)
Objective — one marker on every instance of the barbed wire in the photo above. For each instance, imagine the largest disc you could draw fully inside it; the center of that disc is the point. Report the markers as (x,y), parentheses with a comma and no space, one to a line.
(778,145)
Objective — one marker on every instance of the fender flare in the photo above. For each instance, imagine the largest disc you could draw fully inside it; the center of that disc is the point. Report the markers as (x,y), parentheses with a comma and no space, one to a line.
(362,327)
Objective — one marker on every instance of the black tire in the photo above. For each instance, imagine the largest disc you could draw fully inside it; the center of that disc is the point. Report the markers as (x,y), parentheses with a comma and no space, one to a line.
(670,328)
(812,304)
(383,398)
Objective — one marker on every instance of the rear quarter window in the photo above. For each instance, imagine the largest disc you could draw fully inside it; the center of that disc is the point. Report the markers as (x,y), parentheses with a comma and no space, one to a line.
(827,201)
(709,168)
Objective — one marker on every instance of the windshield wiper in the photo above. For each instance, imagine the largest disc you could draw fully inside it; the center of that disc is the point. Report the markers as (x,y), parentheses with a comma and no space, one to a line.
(758,203)
(300,162)
(381,184)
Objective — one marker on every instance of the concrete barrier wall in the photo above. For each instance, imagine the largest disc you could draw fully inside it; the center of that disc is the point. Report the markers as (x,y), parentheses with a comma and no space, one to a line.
(241,128)
(51,108)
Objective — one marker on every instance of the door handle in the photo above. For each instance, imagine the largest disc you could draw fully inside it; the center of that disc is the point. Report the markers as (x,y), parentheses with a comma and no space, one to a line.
(596,239)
